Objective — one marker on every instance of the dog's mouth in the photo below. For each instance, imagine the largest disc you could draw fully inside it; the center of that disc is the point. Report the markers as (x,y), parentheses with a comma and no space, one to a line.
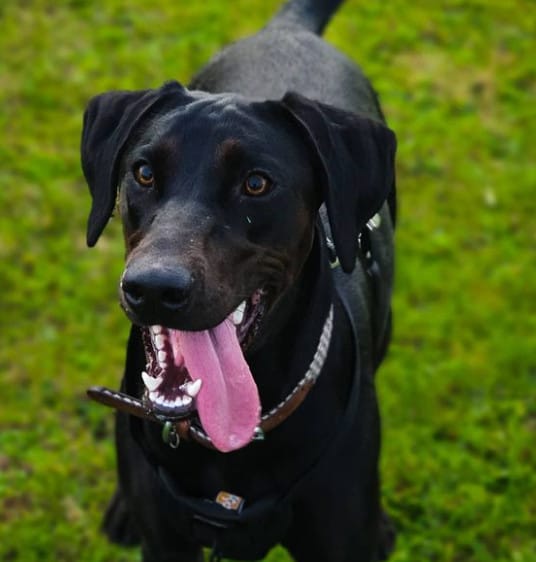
(206,371)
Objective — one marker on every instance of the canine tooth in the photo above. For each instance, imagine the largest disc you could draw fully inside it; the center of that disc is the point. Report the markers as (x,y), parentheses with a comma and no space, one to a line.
(162,356)
(192,388)
(237,317)
(238,314)
(159,341)
(186,400)
(152,383)
(156,329)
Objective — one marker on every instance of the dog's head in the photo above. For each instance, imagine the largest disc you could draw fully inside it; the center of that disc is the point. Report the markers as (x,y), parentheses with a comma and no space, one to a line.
(219,197)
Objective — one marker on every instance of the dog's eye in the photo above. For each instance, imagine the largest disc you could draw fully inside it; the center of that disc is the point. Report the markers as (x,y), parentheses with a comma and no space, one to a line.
(144,174)
(257,184)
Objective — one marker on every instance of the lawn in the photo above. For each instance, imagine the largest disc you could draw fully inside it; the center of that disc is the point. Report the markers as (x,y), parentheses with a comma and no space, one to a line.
(458,84)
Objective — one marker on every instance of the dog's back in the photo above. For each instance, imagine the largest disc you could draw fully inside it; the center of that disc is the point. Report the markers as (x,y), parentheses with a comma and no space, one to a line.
(288,55)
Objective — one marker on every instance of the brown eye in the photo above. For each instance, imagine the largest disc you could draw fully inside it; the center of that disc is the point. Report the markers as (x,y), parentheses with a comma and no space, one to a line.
(257,184)
(144,175)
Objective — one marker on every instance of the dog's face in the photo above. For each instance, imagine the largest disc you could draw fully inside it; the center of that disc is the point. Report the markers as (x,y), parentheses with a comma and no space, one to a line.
(218,202)
(219,196)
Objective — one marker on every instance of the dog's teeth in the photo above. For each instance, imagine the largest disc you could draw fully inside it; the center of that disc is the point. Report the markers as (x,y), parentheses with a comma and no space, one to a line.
(162,356)
(152,383)
(192,388)
(159,341)
(238,314)
(186,400)
(156,329)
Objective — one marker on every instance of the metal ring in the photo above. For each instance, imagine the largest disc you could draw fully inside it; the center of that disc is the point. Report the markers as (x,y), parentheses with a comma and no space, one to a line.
(174,440)
(170,436)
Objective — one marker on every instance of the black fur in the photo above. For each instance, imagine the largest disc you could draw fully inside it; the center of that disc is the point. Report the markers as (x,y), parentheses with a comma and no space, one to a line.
(331,158)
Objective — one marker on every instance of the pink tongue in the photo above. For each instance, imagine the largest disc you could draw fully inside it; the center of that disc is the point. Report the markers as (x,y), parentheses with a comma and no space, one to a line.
(228,402)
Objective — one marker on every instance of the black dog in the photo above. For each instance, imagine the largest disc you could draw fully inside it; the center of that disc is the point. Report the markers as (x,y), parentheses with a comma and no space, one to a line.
(258,226)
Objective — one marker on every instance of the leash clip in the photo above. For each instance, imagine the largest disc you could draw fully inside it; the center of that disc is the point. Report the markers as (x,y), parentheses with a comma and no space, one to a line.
(332,253)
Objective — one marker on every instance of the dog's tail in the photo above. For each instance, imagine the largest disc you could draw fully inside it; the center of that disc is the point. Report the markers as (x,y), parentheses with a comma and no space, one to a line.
(312,15)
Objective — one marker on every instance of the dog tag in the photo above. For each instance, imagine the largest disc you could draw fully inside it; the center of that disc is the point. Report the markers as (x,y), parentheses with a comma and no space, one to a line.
(230,501)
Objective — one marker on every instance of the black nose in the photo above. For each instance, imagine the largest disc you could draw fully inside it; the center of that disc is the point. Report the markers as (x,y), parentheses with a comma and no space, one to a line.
(152,289)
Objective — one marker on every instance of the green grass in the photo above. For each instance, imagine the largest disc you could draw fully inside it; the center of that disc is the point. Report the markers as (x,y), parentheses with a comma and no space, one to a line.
(458,84)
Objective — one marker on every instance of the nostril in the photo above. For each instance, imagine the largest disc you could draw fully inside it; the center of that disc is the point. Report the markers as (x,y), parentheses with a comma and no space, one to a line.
(134,293)
(174,297)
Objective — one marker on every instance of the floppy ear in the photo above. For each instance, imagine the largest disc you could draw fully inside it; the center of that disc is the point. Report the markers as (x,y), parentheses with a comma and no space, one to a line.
(109,122)
(357,160)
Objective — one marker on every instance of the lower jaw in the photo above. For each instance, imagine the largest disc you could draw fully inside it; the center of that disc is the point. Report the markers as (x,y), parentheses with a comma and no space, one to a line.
(182,405)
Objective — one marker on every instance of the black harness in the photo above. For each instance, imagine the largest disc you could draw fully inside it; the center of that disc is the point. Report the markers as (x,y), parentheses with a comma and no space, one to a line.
(249,531)
(248,534)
